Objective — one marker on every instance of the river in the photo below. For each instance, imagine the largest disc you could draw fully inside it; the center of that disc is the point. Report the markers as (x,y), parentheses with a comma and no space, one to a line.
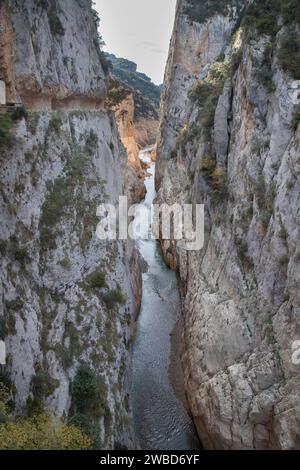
(161,417)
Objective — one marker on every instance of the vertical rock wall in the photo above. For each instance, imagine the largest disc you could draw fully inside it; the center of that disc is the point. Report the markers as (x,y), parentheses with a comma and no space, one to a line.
(67,298)
(232,143)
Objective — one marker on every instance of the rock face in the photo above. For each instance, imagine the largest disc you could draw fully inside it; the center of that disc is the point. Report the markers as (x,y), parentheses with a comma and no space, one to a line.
(194,47)
(232,143)
(121,101)
(67,298)
(57,61)
(146,97)
(134,100)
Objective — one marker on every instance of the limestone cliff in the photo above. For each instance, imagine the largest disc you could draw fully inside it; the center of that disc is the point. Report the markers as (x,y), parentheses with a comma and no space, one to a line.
(146,97)
(134,99)
(57,59)
(229,138)
(121,101)
(67,298)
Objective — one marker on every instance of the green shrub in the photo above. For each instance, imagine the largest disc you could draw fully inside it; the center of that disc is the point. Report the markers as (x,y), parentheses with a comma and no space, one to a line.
(264,15)
(84,389)
(202,11)
(288,54)
(66,263)
(55,123)
(283,232)
(290,11)
(205,93)
(208,164)
(4,402)
(296,118)
(215,176)
(172,154)
(117,92)
(65,196)
(91,143)
(8,322)
(2,329)
(40,432)
(219,179)
(259,146)
(284,261)
(194,130)
(42,3)
(53,210)
(19,113)
(55,24)
(15,305)
(21,256)
(88,426)
(77,166)
(89,402)
(263,69)
(97,280)
(114,297)
(242,250)
(236,59)
(6,124)
(201,91)
(265,217)
(42,386)
(88,392)
(182,138)
(3,247)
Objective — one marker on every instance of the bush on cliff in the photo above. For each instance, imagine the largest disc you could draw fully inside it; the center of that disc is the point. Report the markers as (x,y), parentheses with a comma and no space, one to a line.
(88,392)
(288,54)
(89,396)
(7,122)
(215,176)
(264,15)
(296,118)
(98,280)
(114,297)
(41,433)
(38,432)
(206,92)
(202,11)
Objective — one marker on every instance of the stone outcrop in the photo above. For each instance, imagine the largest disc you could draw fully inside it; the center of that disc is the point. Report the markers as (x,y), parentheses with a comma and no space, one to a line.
(134,100)
(229,138)
(121,101)
(67,298)
(145,131)
(146,97)
(56,59)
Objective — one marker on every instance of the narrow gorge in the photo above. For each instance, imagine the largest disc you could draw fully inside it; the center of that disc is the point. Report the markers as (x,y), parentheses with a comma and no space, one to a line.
(124,344)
